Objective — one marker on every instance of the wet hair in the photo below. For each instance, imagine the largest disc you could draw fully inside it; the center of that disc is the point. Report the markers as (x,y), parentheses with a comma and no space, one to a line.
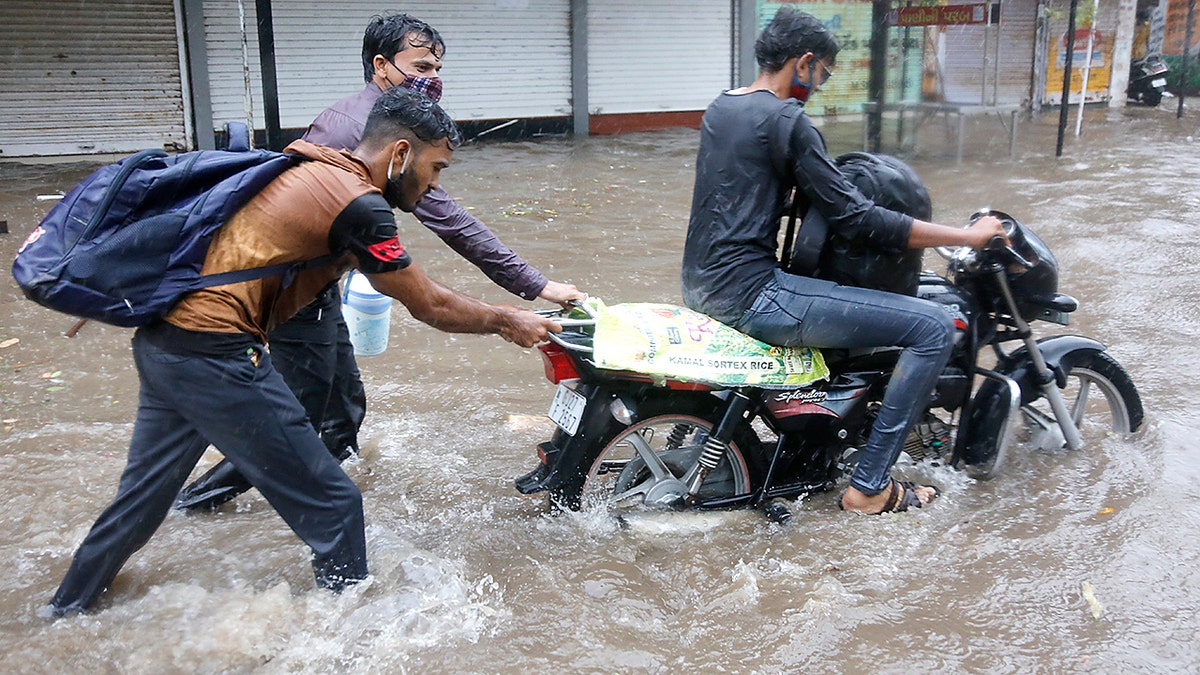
(790,34)
(391,33)
(403,113)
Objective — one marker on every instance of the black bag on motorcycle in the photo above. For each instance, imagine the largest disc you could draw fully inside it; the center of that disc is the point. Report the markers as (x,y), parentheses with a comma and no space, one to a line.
(889,183)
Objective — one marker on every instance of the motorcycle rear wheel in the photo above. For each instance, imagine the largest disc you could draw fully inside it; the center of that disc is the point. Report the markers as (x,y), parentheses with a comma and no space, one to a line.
(1101,397)
(641,465)
(1152,97)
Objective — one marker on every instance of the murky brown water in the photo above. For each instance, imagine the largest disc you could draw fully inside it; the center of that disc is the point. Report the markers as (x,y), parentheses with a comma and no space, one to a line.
(471,577)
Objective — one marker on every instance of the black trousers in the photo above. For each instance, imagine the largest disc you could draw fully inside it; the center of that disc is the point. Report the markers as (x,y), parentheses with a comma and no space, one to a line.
(312,351)
(240,404)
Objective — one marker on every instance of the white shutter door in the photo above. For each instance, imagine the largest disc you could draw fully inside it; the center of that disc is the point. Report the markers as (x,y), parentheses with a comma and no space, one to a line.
(671,55)
(505,58)
(1018,19)
(79,76)
(1007,73)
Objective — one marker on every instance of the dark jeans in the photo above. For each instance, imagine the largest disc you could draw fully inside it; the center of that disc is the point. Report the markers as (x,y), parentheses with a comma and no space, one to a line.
(240,404)
(796,310)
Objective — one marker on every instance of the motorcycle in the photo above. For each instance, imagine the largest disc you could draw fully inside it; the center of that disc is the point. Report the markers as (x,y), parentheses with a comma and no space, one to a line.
(628,439)
(1147,80)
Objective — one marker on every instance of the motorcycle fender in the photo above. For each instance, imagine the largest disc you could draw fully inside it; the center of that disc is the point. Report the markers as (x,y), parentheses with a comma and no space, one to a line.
(565,452)
(1019,367)
(982,432)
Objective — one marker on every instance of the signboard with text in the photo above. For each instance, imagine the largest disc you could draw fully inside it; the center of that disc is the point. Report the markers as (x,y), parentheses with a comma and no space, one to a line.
(940,15)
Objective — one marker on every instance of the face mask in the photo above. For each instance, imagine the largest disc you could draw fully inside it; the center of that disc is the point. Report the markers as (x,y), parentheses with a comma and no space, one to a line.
(800,91)
(430,86)
(393,190)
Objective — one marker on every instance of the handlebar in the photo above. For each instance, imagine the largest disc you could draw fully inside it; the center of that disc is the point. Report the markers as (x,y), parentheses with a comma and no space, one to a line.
(996,243)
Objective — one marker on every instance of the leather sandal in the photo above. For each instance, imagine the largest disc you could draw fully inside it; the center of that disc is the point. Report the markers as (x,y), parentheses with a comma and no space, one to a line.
(902,495)
(899,502)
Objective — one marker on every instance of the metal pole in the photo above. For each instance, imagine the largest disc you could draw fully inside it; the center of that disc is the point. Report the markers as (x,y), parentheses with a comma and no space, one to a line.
(1066,89)
(1187,45)
(580,118)
(247,92)
(878,70)
(903,95)
(270,83)
(1087,67)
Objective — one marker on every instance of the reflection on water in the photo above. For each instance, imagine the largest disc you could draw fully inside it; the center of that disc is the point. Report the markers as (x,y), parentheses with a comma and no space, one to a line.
(471,577)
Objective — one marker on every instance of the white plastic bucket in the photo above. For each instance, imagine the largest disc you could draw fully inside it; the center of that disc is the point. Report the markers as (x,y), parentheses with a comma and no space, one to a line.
(368,315)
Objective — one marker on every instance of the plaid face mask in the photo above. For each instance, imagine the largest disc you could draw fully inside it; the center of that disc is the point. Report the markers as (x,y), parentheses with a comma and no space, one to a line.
(430,86)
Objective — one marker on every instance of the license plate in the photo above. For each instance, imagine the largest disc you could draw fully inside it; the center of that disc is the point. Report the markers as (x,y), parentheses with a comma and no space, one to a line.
(1160,82)
(567,409)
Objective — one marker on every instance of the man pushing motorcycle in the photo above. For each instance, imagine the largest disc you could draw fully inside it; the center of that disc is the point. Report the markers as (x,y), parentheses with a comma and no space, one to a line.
(206,376)
(757,145)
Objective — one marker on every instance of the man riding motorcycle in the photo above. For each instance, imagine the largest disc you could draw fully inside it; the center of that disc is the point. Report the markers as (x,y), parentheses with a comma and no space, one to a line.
(756,146)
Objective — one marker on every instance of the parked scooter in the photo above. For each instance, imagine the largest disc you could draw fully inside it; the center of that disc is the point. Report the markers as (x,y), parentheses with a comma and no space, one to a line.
(1147,79)
(630,439)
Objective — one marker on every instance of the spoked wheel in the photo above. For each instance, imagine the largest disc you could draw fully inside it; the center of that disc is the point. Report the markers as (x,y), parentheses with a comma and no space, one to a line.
(1100,396)
(652,462)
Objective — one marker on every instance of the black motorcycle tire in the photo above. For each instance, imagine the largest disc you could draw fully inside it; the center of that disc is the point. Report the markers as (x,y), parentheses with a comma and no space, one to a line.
(1099,370)
(743,459)
(1152,97)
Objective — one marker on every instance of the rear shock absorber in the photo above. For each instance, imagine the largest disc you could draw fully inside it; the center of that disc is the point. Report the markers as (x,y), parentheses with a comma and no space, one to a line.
(718,442)
(678,435)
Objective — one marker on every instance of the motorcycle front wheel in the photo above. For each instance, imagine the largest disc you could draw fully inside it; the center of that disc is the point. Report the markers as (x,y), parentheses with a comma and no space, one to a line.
(651,462)
(1100,396)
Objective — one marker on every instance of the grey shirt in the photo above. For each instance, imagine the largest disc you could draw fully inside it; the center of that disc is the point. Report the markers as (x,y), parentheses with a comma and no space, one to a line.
(754,148)
(340,126)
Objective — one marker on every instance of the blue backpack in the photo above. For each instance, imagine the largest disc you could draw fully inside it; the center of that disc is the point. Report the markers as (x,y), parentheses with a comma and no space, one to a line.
(129,241)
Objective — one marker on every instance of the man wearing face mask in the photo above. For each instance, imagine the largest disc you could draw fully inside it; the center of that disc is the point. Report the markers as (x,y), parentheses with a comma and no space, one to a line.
(313,350)
(205,376)
(756,146)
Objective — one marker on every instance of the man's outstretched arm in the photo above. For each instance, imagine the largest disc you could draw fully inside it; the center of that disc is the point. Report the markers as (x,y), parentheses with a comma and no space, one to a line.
(471,239)
(451,311)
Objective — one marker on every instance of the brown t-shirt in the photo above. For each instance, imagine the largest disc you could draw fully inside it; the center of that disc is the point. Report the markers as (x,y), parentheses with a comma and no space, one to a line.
(321,206)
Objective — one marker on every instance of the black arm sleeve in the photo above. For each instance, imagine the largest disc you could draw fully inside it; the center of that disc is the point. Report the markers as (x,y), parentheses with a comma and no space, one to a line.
(367,228)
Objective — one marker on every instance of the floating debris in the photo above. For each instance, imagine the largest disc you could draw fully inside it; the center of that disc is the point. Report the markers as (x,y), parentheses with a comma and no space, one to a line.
(529,423)
(1093,604)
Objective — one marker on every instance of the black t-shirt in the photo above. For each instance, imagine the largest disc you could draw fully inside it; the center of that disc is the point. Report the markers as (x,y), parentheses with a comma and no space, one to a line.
(754,148)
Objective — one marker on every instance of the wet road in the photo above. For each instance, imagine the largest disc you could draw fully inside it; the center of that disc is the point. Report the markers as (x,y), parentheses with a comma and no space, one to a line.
(469,577)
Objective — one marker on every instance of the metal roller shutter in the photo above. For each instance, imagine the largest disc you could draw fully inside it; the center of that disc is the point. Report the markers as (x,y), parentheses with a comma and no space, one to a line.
(504,59)
(672,55)
(991,64)
(87,77)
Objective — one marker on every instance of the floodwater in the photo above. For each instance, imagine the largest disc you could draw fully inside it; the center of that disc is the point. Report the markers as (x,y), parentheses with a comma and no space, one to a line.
(470,577)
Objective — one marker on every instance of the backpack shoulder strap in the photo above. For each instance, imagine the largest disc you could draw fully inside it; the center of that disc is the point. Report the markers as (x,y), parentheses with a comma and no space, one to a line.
(289,270)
